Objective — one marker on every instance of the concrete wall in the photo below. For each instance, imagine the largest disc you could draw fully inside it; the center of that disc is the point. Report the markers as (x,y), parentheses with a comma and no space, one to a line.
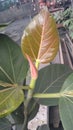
(15,13)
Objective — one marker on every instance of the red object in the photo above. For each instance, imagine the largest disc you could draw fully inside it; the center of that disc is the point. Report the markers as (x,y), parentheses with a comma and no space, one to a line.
(33,69)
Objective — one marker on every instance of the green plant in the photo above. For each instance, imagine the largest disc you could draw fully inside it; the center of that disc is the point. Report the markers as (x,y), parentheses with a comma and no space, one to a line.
(66,18)
(68,21)
(49,86)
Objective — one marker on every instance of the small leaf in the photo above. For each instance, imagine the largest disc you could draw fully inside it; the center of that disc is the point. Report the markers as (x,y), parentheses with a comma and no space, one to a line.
(10,99)
(40,39)
(43,127)
(66,104)
(50,80)
(5,124)
(34,72)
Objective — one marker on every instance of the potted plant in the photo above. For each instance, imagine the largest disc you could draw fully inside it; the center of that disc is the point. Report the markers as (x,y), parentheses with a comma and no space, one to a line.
(49,86)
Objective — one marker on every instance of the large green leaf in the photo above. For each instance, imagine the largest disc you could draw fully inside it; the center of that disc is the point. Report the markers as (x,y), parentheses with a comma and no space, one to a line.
(13,70)
(13,66)
(10,99)
(5,124)
(66,104)
(18,114)
(43,127)
(40,39)
(50,80)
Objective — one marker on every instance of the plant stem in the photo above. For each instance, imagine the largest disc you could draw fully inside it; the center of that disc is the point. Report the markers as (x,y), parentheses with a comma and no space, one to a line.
(28,98)
(26,103)
(37,63)
(24,87)
(47,95)
(25,120)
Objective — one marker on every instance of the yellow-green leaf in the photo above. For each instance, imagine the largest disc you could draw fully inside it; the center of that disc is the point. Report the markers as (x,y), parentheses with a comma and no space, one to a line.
(4,84)
(10,99)
(40,39)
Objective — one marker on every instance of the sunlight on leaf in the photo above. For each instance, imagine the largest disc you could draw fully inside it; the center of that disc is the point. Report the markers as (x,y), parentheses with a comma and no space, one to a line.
(13,71)
(40,39)
(10,99)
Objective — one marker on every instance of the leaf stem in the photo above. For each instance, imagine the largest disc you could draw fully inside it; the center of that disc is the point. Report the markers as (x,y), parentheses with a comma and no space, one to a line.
(37,63)
(29,96)
(24,87)
(47,95)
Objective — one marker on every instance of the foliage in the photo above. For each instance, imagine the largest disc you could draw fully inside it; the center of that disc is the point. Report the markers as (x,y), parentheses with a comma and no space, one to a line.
(66,18)
(53,83)
(66,103)
(12,73)
(31,39)
(68,21)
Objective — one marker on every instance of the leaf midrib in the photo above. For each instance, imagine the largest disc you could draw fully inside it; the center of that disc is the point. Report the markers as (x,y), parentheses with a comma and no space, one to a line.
(6,74)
